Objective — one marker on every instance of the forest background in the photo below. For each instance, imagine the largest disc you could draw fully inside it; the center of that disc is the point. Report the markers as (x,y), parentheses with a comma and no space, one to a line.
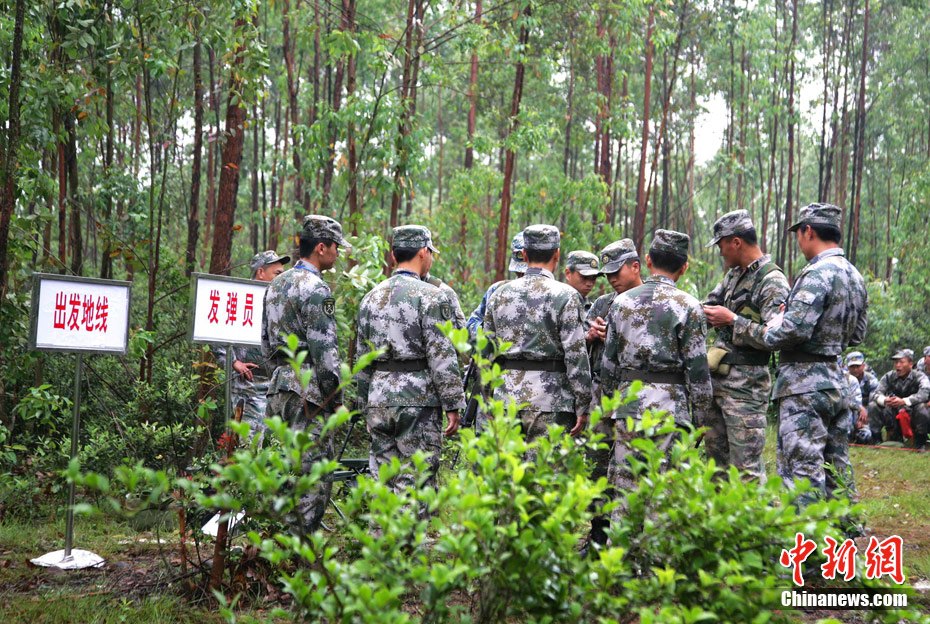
(146,140)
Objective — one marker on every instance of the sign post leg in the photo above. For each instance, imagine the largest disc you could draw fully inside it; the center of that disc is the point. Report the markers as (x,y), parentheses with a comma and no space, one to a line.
(69,558)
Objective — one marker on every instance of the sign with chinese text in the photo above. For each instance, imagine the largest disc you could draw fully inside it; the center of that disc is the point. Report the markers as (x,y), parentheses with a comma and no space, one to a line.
(79,314)
(227,310)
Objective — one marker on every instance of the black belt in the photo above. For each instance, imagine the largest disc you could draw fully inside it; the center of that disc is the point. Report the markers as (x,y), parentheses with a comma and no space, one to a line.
(629,374)
(552,366)
(746,358)
(795,357)
(401,366)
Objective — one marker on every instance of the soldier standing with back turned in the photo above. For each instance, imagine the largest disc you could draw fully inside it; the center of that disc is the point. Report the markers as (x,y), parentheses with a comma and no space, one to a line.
(753,289)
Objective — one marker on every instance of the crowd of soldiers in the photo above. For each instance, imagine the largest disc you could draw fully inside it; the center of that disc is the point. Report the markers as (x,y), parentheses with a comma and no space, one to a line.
(566,352)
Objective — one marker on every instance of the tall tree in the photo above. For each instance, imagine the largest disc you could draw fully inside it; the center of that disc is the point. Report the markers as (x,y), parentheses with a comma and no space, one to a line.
(9,145)
(639,217)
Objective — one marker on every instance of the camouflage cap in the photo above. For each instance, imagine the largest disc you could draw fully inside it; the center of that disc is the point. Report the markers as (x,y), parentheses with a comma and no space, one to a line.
(818,214)
(731,224)
(904,353)
(855,358)
(324,228)
(412,237)
(670,241)
(584,262)
(926,351)
(541,237)
(517,263)
(265,258)
(615,254)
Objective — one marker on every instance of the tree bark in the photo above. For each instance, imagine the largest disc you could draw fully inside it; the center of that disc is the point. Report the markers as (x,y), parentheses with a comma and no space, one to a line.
(859,142)
(193,221)
(8,150)
(789,70)
(503,244)
(292,88)
(639,218)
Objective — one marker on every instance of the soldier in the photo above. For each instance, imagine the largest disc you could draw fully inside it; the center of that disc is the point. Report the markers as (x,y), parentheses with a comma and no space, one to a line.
(404,392)
(250,384)
(825,312)
(868,383)
(753,288)
(924,364)
(656,334)
(517,266)
(546,366)
(621,265)
(904,388)
(299,302)
(581,271)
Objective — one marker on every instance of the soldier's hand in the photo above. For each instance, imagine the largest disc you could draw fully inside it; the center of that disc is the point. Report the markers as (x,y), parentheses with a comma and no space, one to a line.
(453,424)
(598,330)
(863,418)
(580,424)
(244,369)
(719,316)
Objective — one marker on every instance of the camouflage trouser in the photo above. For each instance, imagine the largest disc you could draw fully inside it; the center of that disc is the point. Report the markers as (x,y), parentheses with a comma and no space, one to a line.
(290,407)
(736,433)
(535,424)
(619,473)
(254,407)
(811,433)
(400,432)
(886,417)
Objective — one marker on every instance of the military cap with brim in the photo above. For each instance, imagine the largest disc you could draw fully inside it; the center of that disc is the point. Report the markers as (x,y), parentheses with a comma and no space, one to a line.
(904,353)
(615,254)
(731,224)
(265,258)
(517,263)
(818,214)
(584,262)
(670,241)
(412,237)
(541,237)
(855,358)
(324,228)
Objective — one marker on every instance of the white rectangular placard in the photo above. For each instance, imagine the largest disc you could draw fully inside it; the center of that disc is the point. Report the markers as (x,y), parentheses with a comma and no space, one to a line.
(80,314)
(227,310)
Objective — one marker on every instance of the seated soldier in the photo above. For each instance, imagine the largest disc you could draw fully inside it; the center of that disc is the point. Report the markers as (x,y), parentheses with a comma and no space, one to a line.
(903,388)
(867,382)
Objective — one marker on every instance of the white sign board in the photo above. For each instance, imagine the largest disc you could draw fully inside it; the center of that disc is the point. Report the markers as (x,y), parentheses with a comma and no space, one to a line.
(79,314)
(227,310)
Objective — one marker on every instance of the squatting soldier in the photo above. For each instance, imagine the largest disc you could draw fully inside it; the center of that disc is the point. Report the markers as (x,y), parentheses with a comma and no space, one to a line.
(517,266)
(656,334)
(404,392)
(581,271)
(924,364)
(753,289)
(868,384)
(547,365)
(299,302)
(904,388)
(250,383)
(621,265)
(825,312)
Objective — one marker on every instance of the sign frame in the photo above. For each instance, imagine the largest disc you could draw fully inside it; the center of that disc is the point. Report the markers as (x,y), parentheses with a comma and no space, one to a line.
(38,278)
(195,285)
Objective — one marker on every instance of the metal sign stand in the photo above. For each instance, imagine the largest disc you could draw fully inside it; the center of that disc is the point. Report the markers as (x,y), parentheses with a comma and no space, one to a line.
(69,558)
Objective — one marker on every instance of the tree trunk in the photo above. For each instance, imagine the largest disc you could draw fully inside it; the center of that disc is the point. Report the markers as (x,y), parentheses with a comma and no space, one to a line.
(639,218)
(503,244)
(193,221)
(9,146)
(348,16)
(859,141)
(472,102)
(292,88)
(789,70)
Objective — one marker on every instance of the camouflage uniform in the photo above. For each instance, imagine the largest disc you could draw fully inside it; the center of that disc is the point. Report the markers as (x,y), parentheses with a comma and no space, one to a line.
(585,263)
(922,364)
(914,389)
(655,333)
(737,418)
(299,302)
(452,298)
(517,265)
(405,391)
(865,387)
(546,367)
(825,312)
(252,393)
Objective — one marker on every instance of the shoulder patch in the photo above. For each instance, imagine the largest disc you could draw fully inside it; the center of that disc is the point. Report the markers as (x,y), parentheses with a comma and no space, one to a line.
(329,306)
(445,309)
